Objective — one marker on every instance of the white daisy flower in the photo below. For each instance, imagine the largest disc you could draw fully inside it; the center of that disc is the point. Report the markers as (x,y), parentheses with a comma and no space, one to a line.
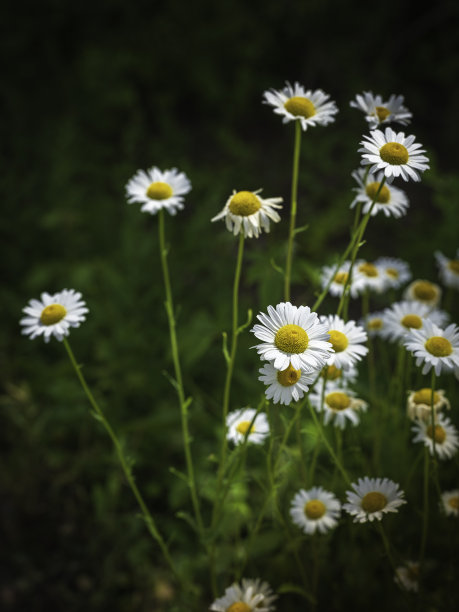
(407,576)
(295,103)
(403,316)
(450,502)
(448,269)
(338,279)
(391,201)
(434,347)
(156,189)
(346,339)
(292,335)
(246,211)
(315,510)
(396,272)
(250,596)
(340,405)
(240,421)
(423,291)
(377,111)
(445,434)
(339,377)
(418,404)
(373,497)
(54,314)
(285,386)
(368,276)
(394,153)
(373,323)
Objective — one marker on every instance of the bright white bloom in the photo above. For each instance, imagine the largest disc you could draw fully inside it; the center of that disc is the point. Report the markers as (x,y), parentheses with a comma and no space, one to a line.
(373,497)
(390,200)
(374,325)
(250,596)
(346,339)
(418,403)
(434,347)
(368,277)
(423,291)
(445,434)
(394,153)
(377,111)
(448,269)
(407,576)
(295,103)
(156,189)
(315,510)
(292,335)
(338,279)
(240,421)
(450,502)
(403,316)
(54,314)
(285,386)
(340,405)
(395,271)
(246,211)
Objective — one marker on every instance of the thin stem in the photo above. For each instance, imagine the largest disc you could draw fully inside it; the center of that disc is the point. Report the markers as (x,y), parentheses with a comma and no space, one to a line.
(291,234)
(425,517)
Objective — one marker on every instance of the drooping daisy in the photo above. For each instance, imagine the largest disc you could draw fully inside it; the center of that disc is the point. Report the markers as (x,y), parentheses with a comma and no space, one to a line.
(377,111)
(292,335)
(368,277)
(338,279)
(347,341)
(340,405)
(450,502)
(315,510)
(391,201)
(373,497)
(295,103)
(394,153)
(396,272)
(246,211)
(445,434)
(54,314)
(250,596)
(285,386)
(407,576)
(423,291)
(418,405)
(403,316)
(240,421)
(434,347)
(156,189)
(448,269)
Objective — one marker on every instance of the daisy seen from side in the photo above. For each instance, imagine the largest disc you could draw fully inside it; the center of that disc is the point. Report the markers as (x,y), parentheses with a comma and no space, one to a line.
(158,189)
(378,111)
(251,595)
(238,422)
(340,405)
(423,291)
(418,403)
(445,434)
(434,347)
(396,272)
(315,510)
(371,498)
(407,576)
(450,502)
(389,200)
(448,269)
(285,386)
(347,340)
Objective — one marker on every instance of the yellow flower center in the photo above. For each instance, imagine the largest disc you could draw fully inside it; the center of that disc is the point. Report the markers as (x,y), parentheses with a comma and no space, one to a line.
(337,400)
(382,112)
(392,272)
(333,373)
(439,346)
(52,314)
(383,196)
(314,509)
(339,340)
(288,377)
(291,339)
(373,502)
(244,203)
(244,426)
(300,107)
(453,265)
(394,154)
(159,191)
(368,269)
(341,278)
(439,434)
(454,502)
(375,323)
(411,320)
(239,606)
(423,290)
(424,396)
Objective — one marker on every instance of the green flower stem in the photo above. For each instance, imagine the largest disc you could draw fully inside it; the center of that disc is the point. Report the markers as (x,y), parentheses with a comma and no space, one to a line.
(387,547)
(291,234)
(149,521)
(432,417)
(371,346)
(184,403)
(425,516)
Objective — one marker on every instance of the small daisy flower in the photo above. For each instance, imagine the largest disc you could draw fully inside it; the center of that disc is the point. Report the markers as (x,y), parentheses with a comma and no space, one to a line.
(407,576)
(340,405)
(292,335)
(339,377)
(368,276)
(295,103)
(450,502)
(250,596)
(403,316)
(448,269)
(418,403)
(246,211)
(373,497)
(434,347)
(239,422)
(285,386)
(338,279)
(346,339)
(315,510)
(396,272)
(156,189)
(395,154)
(54,314)
(423,291)
(378,112)
(374,325)
(445,434)
(391,201)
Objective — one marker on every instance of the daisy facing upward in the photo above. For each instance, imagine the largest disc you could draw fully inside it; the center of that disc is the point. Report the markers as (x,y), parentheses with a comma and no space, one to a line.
(156,189)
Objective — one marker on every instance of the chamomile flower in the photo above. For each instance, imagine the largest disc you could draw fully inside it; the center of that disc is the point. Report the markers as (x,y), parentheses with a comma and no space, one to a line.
(315,510)
(54,314)
(336,280)
(340,405)
(246,211)
(292,335)
(418,404)
(295,103)
(445,434)
(394,153)
(434,347)
(448,269)
(373,497)
(156,189)
(407,576)
(423,291)
(374,325)
(403,316)
(368,277)
(346,339)
(240,421)
(377,111)
(396,272)
(391,201)
(285,386)
(450,502)
(249,596)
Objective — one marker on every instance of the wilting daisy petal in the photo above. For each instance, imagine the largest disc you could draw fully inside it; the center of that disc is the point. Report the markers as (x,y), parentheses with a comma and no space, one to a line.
(156,189)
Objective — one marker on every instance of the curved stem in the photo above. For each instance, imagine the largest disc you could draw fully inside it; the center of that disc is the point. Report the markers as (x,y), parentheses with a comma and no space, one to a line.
(291,234)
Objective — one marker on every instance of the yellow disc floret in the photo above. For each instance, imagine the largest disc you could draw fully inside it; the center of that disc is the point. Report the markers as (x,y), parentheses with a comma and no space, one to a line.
(368,269)
(439,434)
(424,396)
(423,290)
(159,191)
(453,265)
(411,321)
(52,314)
(382,112)
(333,373)
(337,400)
(244,426)
(244,203)
(454,502)
(300,107)
(239,606)
(382,197)
(394,154)
(439,346)
(289,376)
(341,278)
(314,509)
(339,340)
(291,338)
(375,323)
(373,502)
(392,272)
